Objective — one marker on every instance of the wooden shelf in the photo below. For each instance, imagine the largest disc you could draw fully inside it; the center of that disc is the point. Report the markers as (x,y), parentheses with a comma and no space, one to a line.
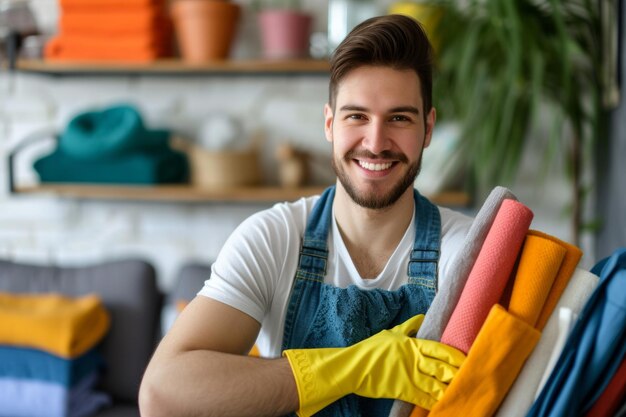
(177,67)
(186,193)
(171,193)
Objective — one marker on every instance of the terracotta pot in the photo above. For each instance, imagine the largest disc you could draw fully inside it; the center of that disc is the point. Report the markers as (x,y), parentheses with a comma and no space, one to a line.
(285,33)
(205,28)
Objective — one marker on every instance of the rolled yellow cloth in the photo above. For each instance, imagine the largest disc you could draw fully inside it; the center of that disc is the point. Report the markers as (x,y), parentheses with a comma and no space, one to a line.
(538,266)
(61,325)
(572,257)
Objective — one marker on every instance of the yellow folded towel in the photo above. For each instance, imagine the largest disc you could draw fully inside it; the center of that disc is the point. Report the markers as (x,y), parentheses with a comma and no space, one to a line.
(493,362)
(64,326)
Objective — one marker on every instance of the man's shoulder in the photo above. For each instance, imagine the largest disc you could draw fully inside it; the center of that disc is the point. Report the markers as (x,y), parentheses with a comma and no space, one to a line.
(303,205)
(454,222)
(289,214)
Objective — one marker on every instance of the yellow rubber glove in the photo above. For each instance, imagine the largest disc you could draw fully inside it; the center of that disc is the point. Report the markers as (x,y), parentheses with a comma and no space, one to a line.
(390,364)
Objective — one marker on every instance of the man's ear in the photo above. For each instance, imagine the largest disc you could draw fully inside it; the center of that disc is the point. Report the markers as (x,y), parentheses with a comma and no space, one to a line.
(328,122)
(431,118)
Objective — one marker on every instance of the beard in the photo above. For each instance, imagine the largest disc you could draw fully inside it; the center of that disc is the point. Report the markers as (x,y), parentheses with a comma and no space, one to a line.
(375,200)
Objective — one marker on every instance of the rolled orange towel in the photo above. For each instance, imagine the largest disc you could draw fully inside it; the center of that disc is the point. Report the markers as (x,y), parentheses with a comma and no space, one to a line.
(572,257)
(64,326)
(538,266)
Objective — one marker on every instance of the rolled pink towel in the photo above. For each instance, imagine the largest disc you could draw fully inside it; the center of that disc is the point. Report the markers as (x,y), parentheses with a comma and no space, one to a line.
(489,275)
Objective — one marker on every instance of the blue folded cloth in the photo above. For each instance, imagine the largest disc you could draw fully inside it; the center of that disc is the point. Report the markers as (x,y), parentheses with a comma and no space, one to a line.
(35,364)
(594,349)
(32,398)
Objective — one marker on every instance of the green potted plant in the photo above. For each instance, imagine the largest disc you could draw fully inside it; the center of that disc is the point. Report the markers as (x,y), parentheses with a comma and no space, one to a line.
(284,27)
(501,63)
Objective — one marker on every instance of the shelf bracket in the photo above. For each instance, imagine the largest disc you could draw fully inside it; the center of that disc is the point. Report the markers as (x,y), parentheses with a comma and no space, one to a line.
(37,136)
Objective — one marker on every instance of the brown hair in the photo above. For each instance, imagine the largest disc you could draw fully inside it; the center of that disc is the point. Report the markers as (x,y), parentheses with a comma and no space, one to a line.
(395,41)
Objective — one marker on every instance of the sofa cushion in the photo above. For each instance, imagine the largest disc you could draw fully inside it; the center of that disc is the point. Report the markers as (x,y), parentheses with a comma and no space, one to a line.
(189,281)
(128,290)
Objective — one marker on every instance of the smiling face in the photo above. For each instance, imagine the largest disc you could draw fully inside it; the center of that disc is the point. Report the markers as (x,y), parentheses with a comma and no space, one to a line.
(378,131)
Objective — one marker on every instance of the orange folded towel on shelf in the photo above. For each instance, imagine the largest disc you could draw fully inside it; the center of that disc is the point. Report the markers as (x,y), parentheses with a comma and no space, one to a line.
(115,22)
(108,4)
(112,30)
(137,41)
(131,49)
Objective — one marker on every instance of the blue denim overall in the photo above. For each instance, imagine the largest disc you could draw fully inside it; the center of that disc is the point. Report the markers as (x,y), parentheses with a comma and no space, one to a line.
(322,315)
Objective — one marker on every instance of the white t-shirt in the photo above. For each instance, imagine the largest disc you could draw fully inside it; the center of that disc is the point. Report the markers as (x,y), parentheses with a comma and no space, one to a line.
(255,269)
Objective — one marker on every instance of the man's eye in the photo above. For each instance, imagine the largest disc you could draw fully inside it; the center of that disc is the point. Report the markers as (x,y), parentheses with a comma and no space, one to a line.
(356,117)
(399,118)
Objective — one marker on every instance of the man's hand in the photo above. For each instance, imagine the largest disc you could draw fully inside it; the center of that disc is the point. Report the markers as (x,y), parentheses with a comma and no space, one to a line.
(390,364)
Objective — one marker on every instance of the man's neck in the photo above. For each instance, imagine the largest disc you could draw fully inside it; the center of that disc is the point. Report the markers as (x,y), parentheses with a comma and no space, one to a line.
(372,234)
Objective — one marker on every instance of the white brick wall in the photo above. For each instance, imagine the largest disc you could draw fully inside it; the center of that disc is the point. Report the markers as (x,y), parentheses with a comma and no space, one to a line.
(64,231)
(45,229)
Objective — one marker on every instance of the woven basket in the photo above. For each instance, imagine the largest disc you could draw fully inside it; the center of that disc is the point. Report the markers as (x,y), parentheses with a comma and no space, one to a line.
(224,169)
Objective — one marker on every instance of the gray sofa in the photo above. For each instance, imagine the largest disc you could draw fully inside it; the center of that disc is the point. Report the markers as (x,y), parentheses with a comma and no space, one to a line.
(129,291)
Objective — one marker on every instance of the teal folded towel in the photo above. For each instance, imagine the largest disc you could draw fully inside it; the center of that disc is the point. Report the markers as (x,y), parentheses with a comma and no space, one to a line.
(148,168)
(111,132)
(113,146)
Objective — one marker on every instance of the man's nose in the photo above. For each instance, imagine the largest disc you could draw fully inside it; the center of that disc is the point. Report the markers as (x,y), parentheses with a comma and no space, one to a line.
(376,138)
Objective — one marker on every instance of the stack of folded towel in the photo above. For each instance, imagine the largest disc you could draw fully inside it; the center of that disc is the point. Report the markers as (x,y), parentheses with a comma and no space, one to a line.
(113,146)
(49,363)
(111,30)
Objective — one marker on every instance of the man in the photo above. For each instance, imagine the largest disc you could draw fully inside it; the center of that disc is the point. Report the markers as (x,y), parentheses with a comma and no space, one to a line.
(319,280)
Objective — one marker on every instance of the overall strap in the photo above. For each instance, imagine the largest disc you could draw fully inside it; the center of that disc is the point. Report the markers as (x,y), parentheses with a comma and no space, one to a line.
(314,250)
(422,269)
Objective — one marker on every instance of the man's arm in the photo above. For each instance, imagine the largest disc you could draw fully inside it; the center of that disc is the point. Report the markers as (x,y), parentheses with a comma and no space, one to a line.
(200,368)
